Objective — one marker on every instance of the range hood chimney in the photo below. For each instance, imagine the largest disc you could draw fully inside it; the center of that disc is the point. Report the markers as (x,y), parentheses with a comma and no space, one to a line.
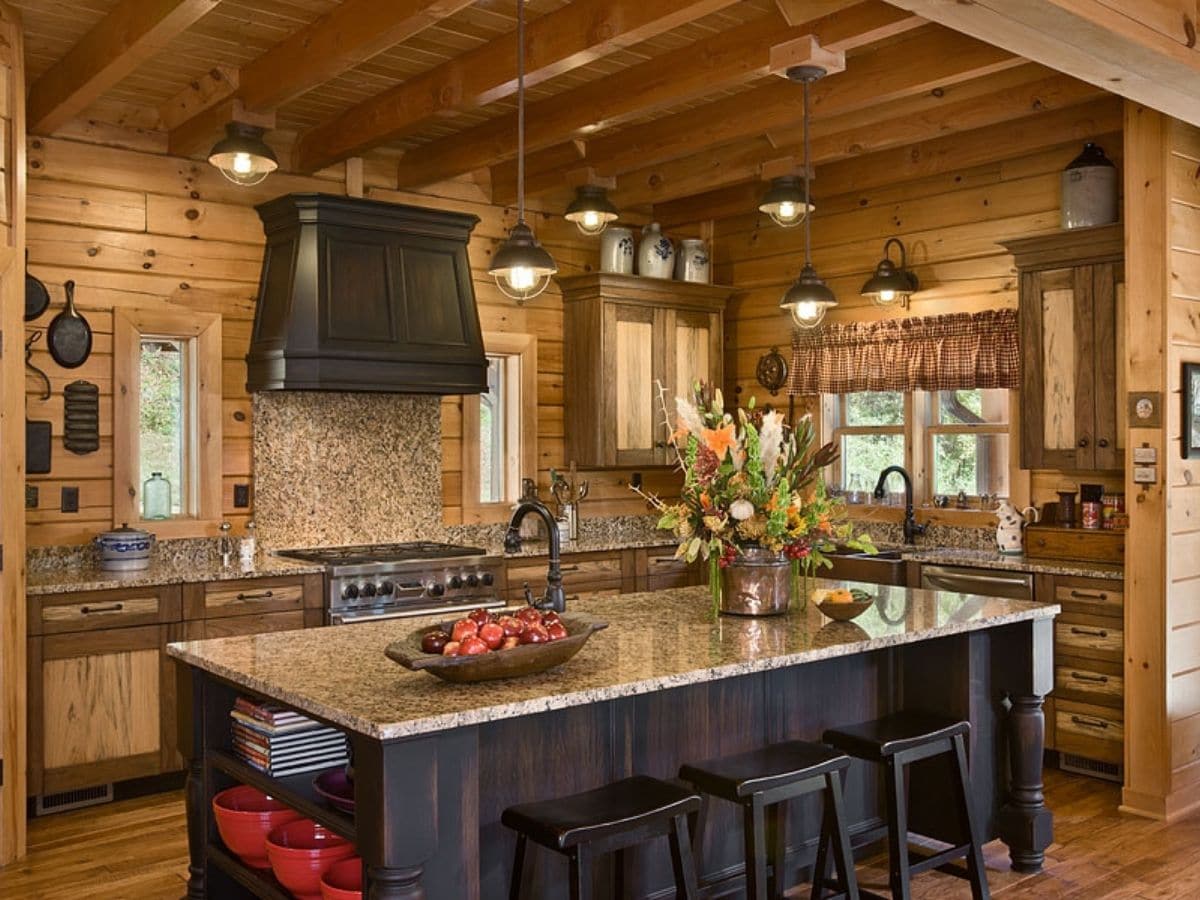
(362,295)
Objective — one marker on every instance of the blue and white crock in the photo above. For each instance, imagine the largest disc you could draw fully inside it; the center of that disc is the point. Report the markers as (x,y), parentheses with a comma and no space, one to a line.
(616,250)
(124,549)
(656,253)
(692,263)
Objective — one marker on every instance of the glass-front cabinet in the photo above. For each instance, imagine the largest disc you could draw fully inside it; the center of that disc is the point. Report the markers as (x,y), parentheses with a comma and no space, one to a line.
(1072,306)
(632,344)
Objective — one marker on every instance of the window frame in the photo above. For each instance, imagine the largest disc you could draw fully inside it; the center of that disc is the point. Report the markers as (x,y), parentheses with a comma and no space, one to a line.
(521,427)
(203,451)
(833,412)
(932,427)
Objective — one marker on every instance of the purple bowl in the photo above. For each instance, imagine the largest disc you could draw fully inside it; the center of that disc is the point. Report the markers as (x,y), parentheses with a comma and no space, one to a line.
(336,787)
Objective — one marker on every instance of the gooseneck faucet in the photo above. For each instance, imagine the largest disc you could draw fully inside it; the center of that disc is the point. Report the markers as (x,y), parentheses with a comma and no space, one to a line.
(911,528)
(553,598)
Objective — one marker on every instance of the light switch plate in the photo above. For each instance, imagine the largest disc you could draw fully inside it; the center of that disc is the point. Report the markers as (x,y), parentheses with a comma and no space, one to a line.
(1145,474)
(1145,456)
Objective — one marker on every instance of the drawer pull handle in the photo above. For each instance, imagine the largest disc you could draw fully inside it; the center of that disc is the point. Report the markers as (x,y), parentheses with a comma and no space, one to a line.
(1083,595)
(665,560)
(1083,676)
(114,607)
(566,569)
(1089,723)
(1087,632)
(262,595)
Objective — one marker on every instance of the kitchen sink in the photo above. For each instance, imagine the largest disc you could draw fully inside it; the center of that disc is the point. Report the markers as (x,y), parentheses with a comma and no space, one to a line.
(884,567)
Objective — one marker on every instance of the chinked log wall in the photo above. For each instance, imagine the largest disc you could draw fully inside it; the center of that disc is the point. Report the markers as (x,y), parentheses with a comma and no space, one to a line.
(135,228)
(949,221)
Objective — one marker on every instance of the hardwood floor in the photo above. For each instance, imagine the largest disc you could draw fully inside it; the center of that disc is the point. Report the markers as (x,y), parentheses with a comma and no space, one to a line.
(137,850)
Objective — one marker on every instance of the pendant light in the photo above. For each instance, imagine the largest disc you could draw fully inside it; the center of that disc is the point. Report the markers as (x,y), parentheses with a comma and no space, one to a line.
(786,201)
(891,285)
(809,298)
(591,209)
(242,155)
(522,267)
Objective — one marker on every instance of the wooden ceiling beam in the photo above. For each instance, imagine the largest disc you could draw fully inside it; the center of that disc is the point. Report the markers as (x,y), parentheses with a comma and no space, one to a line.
(201,131)
(796,12)
(736,56)
(893,125)
(930,59)
(132,32)
(557,42)
(1144,51)
(217,84)
(346,36)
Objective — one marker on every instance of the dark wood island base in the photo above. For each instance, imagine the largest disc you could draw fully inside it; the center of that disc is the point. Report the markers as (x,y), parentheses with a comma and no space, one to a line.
(427,822)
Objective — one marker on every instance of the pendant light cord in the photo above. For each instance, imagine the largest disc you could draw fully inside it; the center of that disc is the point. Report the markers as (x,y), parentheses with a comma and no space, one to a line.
(521,110)
(807,184)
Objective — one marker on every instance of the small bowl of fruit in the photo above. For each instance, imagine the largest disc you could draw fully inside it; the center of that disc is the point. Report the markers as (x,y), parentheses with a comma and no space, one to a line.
(489,644)
(842,604)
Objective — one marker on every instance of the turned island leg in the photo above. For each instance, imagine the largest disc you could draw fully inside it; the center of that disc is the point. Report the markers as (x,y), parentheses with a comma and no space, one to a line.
(1026,825)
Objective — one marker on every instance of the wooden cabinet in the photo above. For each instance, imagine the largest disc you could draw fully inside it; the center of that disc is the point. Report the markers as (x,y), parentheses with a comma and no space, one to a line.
(101,690)
(659,569)
(252,606)
(585,575)
(1072,295)
(624,336)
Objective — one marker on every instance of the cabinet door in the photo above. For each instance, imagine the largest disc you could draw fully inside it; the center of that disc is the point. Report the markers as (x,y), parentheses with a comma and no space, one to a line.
(95,707)
(632,370)
(1108,304)
(693,348)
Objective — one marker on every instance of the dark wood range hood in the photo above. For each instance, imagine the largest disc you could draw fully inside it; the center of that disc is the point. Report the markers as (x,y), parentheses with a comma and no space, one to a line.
(362,295)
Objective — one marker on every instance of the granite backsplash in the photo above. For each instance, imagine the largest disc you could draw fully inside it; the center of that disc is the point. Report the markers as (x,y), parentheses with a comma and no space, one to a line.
(346,468)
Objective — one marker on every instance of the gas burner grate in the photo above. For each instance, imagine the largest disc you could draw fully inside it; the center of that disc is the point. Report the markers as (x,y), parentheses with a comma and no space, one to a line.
(362,554)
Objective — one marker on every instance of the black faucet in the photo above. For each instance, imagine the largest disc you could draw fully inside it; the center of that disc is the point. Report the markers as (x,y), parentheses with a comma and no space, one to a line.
(911,528)
(553,598)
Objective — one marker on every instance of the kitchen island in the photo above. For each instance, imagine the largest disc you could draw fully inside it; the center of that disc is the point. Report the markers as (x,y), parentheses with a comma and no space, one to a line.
(667,682)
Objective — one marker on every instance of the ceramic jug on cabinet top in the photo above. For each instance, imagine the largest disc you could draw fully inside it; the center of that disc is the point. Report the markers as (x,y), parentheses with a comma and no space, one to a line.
(656,254)
(616,251)
(1010,527)
(691,264)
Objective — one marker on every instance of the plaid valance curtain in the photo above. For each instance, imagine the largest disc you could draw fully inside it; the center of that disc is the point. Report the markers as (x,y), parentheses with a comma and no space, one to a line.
(938,353)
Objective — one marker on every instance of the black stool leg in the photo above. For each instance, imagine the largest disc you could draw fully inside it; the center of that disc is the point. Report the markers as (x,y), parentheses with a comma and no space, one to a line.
(778,856)
(897,831)
(619,874)
(820,874)
(755,827)
(975,865)
(682,861)
(581,873)
(514,890)
(840,834)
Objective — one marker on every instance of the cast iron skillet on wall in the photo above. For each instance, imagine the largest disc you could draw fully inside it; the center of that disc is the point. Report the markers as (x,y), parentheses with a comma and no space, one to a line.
(70,335)
(37,298)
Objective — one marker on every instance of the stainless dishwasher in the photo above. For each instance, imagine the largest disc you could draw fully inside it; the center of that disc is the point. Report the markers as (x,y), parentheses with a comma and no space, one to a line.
(985,582)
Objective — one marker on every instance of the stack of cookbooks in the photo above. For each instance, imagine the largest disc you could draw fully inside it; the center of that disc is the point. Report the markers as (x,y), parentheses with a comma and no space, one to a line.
(280,741)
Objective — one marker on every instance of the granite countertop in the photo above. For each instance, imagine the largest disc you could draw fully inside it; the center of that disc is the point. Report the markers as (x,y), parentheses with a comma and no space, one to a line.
(654,641)
(993,559)
(74,579)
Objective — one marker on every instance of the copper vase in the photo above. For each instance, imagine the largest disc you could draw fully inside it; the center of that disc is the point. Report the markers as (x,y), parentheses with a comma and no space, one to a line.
(756,583)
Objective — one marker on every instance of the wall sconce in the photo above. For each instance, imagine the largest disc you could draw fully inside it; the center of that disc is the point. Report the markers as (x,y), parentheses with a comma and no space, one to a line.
(891,285)
(242,155)
(591,210)
(786,201)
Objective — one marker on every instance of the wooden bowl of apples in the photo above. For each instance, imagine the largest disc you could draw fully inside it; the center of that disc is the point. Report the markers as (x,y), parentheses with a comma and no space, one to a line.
(486,645)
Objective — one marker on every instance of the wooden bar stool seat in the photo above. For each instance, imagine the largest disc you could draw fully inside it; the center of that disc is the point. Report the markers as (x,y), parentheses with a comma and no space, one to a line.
(768,777)
(605,820)
(895,741)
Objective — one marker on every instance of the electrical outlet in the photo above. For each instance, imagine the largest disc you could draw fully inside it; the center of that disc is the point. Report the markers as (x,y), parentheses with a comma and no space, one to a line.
(70,500)
(635,480)
(241,496)
(31,496)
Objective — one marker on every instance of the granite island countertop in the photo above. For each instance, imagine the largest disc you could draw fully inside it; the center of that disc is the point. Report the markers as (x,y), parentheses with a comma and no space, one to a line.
(994,559)
(655,641)
(74,579)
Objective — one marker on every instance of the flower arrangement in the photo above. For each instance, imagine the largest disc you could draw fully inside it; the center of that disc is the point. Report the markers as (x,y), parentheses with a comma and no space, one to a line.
(750,480)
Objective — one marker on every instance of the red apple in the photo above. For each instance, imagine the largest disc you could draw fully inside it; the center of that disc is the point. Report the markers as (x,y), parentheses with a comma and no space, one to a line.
(550,617)
(557,631)
(530,616)
(451,649)
(512,625)
(473,646)
(480,617)
(463,628)
(435,641)
(535,634)
(510,642)
(492,635)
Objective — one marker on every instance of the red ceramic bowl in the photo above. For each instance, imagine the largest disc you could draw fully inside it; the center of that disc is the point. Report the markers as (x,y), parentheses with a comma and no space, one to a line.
(245,816)
(343,881)
(301,852)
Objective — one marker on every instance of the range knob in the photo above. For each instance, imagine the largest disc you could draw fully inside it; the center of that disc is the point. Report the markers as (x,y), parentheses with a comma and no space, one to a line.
(367,590)
(472,580)
(387,588)
(455,582)
(350,592)
(488,579)
(436,589)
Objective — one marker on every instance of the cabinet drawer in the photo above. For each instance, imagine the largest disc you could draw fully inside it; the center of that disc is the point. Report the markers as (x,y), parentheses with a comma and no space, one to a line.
(1094,638)
(1084,681)
(103,609)
(251,596)
(1095,732)
(577,572)
(265,623)
(1103,598)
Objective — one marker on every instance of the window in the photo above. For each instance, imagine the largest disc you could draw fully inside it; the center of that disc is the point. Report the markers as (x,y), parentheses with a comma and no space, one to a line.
(167,420)
(500,429)
(951,441)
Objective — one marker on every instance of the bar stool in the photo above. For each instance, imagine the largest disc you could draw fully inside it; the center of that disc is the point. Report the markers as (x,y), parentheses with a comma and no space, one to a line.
(895,741)
(608,819)
(769,777)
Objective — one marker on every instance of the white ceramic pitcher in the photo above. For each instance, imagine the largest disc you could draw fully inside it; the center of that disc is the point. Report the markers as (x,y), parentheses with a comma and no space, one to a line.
(1010,527)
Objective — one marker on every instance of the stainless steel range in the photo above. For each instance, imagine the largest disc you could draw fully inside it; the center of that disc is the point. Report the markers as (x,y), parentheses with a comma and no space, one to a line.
(371,582)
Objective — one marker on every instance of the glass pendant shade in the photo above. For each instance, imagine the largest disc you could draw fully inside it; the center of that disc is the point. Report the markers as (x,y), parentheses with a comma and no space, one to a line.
(591,210)
(242,155)
(891,285)
(786,201)
(809,298)
(522,267)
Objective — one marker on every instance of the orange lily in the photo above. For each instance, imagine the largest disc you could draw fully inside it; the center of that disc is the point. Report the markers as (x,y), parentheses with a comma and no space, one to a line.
(720,440)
